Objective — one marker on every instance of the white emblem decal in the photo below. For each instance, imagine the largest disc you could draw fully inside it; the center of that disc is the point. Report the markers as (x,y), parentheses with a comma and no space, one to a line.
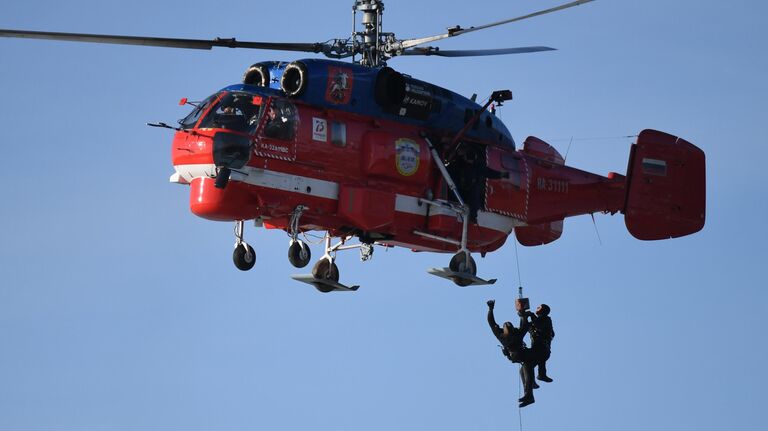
(407,157)
(319,130)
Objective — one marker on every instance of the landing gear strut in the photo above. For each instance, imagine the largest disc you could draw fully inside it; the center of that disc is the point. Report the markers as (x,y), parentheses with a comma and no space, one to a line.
(462,269)
(299,253)
(244,257)
(325,273)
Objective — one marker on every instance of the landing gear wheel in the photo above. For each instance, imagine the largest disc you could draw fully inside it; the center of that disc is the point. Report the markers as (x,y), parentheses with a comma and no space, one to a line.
(244,257)
(299,254)
(324,269)
(459,263)
(463,263)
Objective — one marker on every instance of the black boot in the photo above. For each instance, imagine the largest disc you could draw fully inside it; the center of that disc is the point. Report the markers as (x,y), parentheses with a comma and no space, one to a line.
(524,401)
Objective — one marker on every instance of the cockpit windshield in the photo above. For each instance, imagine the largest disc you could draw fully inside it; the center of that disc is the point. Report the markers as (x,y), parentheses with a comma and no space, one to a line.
(190,120)
(237,111)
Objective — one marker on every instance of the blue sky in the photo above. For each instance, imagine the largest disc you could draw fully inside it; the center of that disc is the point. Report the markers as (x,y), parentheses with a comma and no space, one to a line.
(121,310)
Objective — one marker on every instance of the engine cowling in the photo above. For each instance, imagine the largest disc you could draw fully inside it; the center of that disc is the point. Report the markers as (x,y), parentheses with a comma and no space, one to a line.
(295,79)
(258,75)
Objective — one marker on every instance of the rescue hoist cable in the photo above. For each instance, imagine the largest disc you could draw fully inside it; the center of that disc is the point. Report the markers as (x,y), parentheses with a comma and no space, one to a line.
(520,409)
(519,295)
(520,369)
(517,261)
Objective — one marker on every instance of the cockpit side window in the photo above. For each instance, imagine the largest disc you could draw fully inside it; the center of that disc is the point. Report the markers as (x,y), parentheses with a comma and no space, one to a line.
(281,121)
(234,111)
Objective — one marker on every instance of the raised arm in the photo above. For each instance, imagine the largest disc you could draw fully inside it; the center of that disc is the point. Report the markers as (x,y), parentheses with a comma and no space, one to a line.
(524,324)
(492,321)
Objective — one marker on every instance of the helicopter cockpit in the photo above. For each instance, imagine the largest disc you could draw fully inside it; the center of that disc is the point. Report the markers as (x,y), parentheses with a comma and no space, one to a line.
(232,110)
(239,111)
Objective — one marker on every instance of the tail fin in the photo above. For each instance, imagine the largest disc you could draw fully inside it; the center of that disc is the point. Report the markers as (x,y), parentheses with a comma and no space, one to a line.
(666,189)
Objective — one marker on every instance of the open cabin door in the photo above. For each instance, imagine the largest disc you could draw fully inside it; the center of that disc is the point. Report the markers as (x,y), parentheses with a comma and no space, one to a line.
(507,196)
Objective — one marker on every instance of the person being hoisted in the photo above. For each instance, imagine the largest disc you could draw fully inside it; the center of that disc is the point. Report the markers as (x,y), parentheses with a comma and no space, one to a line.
(514,349)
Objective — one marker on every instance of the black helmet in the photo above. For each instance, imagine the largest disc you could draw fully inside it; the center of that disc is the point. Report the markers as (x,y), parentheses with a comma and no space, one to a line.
(544,309)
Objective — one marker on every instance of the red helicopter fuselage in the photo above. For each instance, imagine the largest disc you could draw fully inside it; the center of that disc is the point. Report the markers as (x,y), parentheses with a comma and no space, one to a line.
(251,152)
(373,177)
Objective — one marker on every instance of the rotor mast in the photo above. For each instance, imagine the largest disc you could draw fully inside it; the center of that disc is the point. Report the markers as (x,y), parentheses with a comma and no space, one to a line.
(371,40)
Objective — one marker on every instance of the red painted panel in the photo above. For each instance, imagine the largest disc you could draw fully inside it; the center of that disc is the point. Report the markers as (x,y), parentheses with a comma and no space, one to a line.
(367,208)
(341,81)
(447,225)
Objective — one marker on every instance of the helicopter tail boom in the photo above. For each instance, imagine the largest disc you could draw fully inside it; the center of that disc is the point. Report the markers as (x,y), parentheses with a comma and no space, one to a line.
(663,194)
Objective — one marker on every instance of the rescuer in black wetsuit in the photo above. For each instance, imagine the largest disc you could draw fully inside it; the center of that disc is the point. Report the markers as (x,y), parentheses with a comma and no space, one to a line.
(542,334)
(514,349)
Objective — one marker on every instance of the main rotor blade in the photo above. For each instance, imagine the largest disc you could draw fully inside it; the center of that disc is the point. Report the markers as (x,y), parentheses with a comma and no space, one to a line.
(161,41)
(409,43)
(475,52)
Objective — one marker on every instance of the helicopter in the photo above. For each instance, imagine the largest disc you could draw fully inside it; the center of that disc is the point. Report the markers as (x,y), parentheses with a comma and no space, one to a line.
(377,158)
